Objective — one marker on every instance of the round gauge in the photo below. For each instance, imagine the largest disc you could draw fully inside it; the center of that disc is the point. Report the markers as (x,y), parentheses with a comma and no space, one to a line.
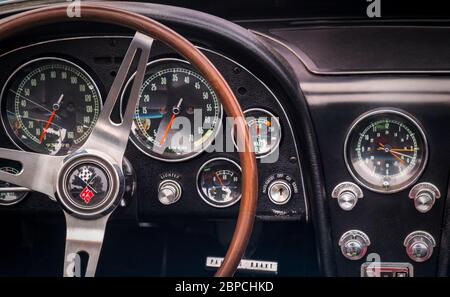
(13,197)
(386,150)
(219,182)
(178,114)
(265,131)
(50,106)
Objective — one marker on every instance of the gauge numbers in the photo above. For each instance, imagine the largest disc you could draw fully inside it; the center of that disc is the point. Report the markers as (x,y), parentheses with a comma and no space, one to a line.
(265,131)
(13,197)
(178,113)
(386,151)
(51,106)
(219,182)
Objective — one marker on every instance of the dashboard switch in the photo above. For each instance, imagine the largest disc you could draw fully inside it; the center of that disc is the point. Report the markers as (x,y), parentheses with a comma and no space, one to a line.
(424,196)
(280,192)
(169,192)
(347,195)
(419,246)
(354,244)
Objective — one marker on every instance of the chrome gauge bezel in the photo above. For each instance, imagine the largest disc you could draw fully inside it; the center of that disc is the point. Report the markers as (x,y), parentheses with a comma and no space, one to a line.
(13,138)
(200,192)
(23,195)
(409,120)
(147,152)
(280,136)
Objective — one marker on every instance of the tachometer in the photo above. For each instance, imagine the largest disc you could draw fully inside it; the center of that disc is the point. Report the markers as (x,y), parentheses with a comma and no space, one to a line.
(386,150)
(50,106)
(178,114)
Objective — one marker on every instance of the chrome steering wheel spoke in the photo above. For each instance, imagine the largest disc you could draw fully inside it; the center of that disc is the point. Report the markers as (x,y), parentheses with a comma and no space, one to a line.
(83,236)
(87,210)
(110,136)
(39,172)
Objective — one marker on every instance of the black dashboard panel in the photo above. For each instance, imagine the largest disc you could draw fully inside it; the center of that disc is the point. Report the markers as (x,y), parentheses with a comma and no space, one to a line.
(101,57)
(367,48)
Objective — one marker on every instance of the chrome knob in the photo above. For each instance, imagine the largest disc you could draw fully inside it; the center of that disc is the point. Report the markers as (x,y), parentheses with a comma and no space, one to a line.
(354,244)
(419,246)
(347,195)
(424,196)
(169,192)
(280,192)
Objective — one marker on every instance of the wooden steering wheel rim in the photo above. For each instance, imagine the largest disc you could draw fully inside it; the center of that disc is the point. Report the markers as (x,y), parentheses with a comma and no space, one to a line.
(154,29)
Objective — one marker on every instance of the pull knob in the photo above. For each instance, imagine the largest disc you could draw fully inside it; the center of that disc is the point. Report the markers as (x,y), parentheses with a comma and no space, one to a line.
(169,192)
(419,246)
(354,244)
(424,196)
(347,195)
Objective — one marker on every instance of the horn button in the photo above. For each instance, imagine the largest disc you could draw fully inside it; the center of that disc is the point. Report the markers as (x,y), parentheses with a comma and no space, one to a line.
(90,186)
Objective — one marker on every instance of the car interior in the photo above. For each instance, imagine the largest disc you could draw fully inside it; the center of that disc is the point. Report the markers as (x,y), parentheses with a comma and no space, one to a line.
(233,138)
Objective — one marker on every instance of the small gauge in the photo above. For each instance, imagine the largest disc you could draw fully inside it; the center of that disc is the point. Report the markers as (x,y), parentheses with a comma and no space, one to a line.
(219,182)
(265,131)
(10,197)
(386,150)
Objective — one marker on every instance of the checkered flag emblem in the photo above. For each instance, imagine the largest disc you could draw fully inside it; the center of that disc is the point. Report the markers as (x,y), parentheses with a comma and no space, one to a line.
(85,174)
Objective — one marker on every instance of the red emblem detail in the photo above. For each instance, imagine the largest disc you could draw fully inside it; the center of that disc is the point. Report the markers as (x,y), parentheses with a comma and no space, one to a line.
(86,195)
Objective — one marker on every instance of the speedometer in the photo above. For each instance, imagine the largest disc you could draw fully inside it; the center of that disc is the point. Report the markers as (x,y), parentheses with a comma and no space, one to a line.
(50,106)
(386,150)
(178,114)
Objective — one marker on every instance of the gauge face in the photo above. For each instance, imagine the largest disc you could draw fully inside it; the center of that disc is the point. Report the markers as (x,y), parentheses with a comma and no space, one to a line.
(265,131)
(219,182)
(10,198)
(386,151)
(50,106)
(178,114)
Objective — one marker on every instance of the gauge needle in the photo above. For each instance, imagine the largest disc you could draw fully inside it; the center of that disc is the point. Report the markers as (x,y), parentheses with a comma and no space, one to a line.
(56,107)
(176,110)
(404,155)
(220,180)
(393,153)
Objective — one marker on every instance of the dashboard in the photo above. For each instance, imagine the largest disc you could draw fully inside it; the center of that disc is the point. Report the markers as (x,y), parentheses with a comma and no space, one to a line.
(350,137)
(42,112)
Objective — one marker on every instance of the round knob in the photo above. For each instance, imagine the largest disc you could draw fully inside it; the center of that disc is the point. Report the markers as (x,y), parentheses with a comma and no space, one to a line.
(424,195)
(419,246)
(347,195)
(424,201)
(347,200)
(354,244)
(280,192)
(169,192)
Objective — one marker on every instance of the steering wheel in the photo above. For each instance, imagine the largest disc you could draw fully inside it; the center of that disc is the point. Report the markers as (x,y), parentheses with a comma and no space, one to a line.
(104,149)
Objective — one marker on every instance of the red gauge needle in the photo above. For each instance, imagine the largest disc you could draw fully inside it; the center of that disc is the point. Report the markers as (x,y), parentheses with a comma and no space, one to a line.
(56,107)
(220,180)
(167,129)
(175,110)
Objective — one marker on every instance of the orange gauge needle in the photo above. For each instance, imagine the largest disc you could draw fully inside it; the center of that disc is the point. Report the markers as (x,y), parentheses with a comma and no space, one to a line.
(47,125)
(220,180)
(167,129)
(175,110)
(398,158)
(56,107)
(257,128)
(404,150)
